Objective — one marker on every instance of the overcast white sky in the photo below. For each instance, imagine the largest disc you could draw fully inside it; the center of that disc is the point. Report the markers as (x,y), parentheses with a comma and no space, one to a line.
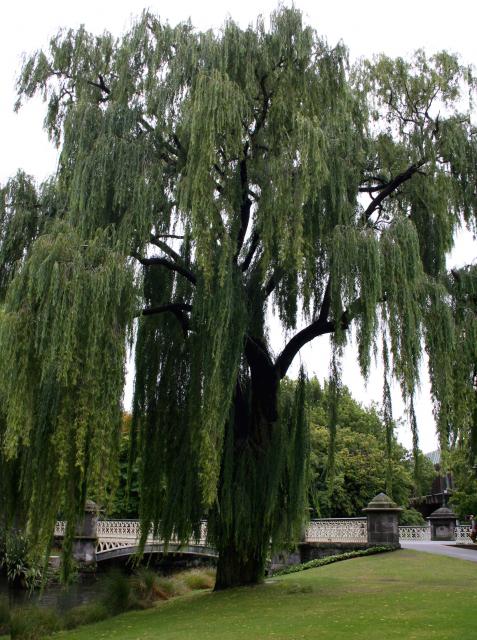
(366,26)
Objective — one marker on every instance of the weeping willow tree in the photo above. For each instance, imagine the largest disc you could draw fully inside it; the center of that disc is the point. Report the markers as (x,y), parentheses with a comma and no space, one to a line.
(207,181)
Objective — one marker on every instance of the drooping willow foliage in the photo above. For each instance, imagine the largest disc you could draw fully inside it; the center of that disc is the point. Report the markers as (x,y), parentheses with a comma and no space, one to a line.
(458,409)
(206,180)
(62,337)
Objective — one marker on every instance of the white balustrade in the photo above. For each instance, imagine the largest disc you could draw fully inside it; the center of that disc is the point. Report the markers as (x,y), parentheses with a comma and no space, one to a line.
(118,529)
(462,534)
(337,530)
(414,533)
(115,534)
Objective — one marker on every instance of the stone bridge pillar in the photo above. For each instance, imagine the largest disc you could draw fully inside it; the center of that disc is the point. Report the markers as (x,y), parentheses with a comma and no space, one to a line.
(442,523)
(383,521)
(86,538)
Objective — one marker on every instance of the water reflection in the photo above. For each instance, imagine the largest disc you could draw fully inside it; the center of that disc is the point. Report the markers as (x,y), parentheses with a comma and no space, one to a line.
(85,589)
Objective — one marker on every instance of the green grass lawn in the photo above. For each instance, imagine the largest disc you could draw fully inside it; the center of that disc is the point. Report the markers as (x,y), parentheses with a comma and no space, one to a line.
(406,595)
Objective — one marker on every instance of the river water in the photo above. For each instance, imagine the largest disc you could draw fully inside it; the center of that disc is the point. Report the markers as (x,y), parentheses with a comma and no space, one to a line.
(86,589)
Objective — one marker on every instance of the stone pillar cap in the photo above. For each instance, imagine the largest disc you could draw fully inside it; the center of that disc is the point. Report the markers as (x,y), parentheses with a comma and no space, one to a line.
(442,513)
(91,507)
(382,502)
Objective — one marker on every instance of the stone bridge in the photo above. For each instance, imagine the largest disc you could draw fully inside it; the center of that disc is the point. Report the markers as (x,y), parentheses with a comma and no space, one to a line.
(120,538)
(99,540)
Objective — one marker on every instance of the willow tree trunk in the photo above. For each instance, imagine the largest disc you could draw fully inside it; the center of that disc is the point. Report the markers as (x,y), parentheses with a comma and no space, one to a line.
(243,550)
(235,571)
(249,479)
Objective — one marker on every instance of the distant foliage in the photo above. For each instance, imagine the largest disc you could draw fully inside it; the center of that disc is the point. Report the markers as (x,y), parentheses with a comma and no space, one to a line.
(361,465)
(409,517)
(464,496)
(125,499)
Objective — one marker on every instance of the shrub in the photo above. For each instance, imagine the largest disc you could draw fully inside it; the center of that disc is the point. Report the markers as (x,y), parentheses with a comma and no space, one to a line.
(117,594)
(170,587)
(14,555)
(197,579)
(85,614)
(15,559)
(4,616)
(145,588)
(33,623)
(210,571)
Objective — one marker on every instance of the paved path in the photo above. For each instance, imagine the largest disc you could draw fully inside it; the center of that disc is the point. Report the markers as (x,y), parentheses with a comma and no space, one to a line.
(443,549)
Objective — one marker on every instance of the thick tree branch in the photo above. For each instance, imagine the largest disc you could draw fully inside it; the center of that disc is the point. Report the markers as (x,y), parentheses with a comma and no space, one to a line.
(326,302)
(264,378)
(179,309)
(260,121)
(251,252)
(317,328)
(101,85)
(173,307)
(391,187)
(169,264)
(160,244)
(273,282)
(246,203)
(257,354)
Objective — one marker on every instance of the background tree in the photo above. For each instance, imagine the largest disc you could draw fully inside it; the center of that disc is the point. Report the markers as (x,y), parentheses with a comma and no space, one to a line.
(360,460)
(125,502)
(460,418)
(204,181)
(464,495)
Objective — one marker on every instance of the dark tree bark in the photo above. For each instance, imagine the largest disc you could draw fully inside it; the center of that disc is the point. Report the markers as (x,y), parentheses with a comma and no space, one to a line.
(233,571)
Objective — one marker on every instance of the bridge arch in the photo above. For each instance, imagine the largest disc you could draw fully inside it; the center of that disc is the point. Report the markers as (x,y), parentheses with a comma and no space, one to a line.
(109,550)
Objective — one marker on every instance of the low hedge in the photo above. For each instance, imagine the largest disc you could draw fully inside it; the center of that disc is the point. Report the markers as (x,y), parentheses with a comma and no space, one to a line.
(321,562)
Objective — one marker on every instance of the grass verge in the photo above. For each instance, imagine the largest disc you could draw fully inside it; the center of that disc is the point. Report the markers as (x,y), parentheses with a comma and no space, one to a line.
(405,595)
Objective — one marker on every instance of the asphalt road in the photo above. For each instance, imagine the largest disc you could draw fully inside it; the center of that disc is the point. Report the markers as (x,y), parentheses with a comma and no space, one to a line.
(443,549)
